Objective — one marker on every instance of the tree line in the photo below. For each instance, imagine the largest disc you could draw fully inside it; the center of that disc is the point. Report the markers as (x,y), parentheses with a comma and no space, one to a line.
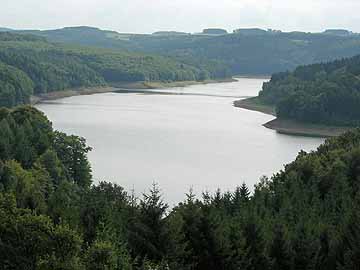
(52,216)
(31,65)
(325,93)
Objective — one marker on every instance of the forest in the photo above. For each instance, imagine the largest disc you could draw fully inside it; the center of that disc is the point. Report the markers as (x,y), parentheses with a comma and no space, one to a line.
(53,216)
(31,65)
(243,52)
(325,93)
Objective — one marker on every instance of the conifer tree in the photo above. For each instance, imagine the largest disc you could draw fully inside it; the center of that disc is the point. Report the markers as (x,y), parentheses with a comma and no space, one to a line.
(279,254)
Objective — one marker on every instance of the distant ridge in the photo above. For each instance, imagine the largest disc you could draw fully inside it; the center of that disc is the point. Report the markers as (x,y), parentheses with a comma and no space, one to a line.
(4,29)
(170,33)
(214,31)
(338,32)
(245,51)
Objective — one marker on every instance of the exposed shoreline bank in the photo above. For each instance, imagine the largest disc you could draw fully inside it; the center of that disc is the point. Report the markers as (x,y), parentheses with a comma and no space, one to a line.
(250,76)
(118,86)
(290,127)
(253,104)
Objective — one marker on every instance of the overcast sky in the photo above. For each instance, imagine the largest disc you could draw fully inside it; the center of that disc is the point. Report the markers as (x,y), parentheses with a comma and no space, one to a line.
(147,16)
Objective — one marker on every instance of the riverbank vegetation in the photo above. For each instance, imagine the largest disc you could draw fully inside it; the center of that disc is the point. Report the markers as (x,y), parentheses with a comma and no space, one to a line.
(326,93)
(54,217)
(30,65)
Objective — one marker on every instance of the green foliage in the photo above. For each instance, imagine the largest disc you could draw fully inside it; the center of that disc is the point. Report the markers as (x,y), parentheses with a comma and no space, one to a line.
(15,86)
(248,51)
(51,217)
(101,255)
(148,237)
(72,151)
(326,93)
(33,242)
(56,169)
(279,251)
(30,65)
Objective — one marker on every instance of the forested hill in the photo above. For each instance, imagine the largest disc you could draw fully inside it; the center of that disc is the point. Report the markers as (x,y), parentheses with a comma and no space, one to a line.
(246,51)
(327,93)
(52,216)
(31,65)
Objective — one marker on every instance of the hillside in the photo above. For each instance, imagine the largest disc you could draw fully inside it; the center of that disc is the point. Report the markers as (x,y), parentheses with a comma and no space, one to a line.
(4,29)
(31,65)
(327,93)
(246,51)
(54,217)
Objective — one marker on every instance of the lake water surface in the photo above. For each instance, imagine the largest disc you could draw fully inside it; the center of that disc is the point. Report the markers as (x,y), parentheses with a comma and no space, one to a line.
(196,139)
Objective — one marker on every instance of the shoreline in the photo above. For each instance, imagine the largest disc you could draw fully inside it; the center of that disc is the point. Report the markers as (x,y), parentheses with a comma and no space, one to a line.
(249,76)
(70,93)
(163,85)
(290,127)
(114,87)
(253,104)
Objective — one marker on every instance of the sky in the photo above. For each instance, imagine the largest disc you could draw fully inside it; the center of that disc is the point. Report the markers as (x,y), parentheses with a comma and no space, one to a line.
(147,16)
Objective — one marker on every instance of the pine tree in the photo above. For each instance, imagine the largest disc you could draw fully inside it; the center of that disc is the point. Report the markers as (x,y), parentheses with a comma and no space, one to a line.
(244,193)
(254,258)
(6,137)
(302,250)
(148,233)
(241,197)
(279,251)
(351,239)
(323,255)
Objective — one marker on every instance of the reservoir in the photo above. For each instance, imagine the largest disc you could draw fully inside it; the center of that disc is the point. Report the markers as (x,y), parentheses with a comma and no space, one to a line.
(180,138)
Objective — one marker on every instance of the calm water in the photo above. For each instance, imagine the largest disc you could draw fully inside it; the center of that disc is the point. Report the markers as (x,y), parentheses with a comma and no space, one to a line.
(196,139)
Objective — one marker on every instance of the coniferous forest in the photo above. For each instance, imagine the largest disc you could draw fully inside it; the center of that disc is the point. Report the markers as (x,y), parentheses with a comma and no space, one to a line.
(54,217)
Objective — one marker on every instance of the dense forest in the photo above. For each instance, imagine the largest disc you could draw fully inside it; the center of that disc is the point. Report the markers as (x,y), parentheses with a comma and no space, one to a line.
(54,217)
(31,65)
(246,51)
(326,93)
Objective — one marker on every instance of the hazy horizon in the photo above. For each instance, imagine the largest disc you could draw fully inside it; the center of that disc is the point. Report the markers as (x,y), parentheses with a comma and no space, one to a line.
(144,16)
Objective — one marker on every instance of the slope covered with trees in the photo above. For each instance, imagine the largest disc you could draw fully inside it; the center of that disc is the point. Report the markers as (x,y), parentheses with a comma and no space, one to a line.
(53,217)
(327,93)
(246,51)
(41,67)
